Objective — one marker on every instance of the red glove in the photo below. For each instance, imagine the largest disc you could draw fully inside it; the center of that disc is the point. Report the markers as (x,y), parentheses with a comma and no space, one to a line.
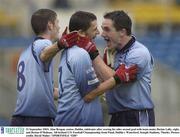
(67,40)
(124,75)
(88,45)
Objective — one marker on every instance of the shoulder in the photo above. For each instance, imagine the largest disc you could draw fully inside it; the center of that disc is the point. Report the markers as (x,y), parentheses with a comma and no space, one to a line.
(139,50)
(43,42)
(77,54)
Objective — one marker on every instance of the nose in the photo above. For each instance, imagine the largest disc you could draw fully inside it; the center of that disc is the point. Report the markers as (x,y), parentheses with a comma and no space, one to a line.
(103,34)
(97,32)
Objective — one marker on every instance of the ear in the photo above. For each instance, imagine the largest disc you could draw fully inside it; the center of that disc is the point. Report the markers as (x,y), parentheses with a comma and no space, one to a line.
(122,32)
(50,25)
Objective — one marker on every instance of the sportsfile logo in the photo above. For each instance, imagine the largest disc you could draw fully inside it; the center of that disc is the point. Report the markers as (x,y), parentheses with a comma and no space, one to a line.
(2,130)
(14,130)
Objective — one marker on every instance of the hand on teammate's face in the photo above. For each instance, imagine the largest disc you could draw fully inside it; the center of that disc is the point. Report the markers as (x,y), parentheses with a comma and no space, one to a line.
(85,43)
(68,39)
(74,38)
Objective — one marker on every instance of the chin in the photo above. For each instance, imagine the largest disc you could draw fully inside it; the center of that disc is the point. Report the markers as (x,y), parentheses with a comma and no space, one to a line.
(110,44)
(93,39)
(56,37)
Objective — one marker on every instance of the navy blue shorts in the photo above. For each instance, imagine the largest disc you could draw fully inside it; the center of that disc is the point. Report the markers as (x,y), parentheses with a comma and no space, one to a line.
(31,121)
(133,118)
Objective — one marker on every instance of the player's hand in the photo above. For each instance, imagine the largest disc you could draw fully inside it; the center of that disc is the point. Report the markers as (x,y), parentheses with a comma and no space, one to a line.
(88,45)
(67,40)
(56,93)
(65,31)
(89,97)
(124,75)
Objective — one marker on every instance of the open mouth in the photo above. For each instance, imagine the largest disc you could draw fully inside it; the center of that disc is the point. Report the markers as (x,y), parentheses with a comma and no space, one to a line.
(106,39)
(94,38)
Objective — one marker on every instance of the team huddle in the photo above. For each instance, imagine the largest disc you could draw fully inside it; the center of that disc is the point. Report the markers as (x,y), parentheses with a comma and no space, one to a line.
(123,74)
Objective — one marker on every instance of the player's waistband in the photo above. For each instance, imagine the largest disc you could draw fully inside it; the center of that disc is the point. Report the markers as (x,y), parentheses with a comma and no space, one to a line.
(132,110)
(19,120)
(34,117)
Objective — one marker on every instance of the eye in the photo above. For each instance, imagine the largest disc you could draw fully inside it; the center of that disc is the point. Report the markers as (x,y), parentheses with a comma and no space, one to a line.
(106,29)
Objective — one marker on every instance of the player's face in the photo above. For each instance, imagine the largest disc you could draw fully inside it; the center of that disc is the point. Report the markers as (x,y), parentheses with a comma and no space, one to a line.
(93,31)
(55,29)
(111,36)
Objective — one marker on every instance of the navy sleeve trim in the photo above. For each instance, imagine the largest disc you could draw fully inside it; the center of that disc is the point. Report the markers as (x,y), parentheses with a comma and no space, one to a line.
(68,65)
(33,53)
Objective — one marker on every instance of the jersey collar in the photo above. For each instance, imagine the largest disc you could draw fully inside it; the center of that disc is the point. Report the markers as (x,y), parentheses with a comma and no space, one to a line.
(37,38)
(128,45)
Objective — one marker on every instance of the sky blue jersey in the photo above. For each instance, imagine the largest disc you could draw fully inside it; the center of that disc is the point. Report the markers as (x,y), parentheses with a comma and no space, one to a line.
(135,95)
(35,83)
(76,79)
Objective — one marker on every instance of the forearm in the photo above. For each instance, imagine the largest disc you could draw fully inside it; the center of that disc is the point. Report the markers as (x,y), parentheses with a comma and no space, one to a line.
(49,52)
(104,71)
(122,75)
(101,89)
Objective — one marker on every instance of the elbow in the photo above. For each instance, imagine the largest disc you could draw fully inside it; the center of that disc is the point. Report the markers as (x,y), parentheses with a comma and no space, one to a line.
(43,57)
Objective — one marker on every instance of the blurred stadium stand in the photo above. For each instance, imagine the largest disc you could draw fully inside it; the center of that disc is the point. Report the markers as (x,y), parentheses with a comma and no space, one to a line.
(156,24)
(165,49)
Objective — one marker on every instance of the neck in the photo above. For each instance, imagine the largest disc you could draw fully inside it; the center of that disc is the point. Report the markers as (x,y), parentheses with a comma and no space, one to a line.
(124,41)
(82,33)
(45,36)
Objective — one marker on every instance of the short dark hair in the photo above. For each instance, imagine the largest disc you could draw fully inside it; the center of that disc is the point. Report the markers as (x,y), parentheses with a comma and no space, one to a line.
(120,20)
(81,20)
(40,19)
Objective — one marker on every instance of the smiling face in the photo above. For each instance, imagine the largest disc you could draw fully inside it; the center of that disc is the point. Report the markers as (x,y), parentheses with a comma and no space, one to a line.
(92,31)
(110,34)
(85,23)
(114,38)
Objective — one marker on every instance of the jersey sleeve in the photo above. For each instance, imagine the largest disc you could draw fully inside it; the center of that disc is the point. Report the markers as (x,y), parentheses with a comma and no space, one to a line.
(143,59)
(37,49)
(84,73)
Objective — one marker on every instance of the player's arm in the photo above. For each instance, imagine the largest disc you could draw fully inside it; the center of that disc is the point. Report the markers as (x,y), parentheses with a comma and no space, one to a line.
(66,41)
(104,71)
(101,89)
(86,78)
(122,75)
(49,52)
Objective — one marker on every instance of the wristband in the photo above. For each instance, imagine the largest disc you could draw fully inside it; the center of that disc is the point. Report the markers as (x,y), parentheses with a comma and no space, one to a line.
(117,79)
(60,47)
(93,54)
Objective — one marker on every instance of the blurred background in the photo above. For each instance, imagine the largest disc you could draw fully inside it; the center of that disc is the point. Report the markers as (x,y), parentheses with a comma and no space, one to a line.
(156,23)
